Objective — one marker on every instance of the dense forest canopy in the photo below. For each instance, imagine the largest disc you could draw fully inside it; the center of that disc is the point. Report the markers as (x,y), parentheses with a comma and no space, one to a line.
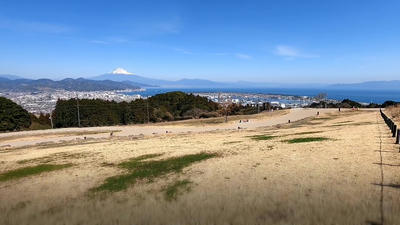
(347,103)
(12,116)
(162,107)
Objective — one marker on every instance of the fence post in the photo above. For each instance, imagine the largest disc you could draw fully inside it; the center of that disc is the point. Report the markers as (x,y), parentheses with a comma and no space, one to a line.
(391,125)
(398,137)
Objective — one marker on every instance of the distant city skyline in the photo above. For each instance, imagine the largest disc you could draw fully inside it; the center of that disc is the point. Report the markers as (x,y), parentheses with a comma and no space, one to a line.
(258,41)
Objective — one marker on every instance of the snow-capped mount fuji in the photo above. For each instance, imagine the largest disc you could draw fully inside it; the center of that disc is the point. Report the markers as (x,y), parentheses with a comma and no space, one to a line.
(121,71)
(122,75)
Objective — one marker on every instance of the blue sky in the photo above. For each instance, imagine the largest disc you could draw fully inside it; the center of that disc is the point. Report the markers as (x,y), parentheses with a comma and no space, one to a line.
(269,41)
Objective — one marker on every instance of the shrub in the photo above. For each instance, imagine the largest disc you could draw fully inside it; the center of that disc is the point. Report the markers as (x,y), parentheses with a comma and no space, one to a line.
(12,116)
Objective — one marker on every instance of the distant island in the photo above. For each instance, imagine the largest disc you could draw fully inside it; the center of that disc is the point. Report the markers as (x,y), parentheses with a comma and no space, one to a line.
(68,84)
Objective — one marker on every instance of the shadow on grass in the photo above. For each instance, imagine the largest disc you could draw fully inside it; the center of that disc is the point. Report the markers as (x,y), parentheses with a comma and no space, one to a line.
(342,122)
(306,132)
(324,118)
(397,186)
(30,171)
(306,139)
(386,164)
(262,137)
(369,222)
(351,124)
(232,142)
(138,169)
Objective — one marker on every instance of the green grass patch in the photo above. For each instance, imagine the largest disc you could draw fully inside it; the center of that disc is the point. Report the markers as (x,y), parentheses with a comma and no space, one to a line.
(139,169)
(232,142)
(306,139)
(362,123)
(347,121)
(351,124)
(30,171)
(324,118)
(306,132)
(262,137)
(178,187)
(55,157)
(339,125)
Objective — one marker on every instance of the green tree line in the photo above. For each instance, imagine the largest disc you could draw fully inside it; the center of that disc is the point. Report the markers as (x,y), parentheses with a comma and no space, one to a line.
(12,116)
(162,107)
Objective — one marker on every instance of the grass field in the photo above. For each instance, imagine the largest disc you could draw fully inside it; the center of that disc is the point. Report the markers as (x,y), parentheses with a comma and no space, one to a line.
(394,113)
(307,172)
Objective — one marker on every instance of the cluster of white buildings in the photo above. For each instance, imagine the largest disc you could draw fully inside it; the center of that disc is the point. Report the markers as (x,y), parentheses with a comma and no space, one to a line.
(283,101)
(45,102)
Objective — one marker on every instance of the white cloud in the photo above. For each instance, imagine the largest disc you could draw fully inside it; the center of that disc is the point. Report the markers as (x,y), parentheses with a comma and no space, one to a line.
(110,40)
(220,53)
(164,26)
(33,26)
(98,42)
(118,40)
(183,51)
(168,27)
(290,52)
(242,56)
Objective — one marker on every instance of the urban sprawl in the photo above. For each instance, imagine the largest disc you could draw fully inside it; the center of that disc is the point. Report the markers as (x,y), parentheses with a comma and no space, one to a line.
(45,101)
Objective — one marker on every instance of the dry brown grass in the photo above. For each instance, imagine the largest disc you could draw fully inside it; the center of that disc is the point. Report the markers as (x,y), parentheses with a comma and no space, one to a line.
(221,120)
(394,112)
(50,135)
(252,182)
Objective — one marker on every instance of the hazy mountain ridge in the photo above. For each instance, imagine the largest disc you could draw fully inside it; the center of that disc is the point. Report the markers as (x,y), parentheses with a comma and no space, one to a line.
(10,76)
(118,81)
(393,84)
(133,79)
(67,84)
(182,83)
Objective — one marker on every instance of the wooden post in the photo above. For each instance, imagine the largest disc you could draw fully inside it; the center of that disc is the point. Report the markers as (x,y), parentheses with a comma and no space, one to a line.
(51,120)
(147,108)
(398,137)
(77,106)
(392,126)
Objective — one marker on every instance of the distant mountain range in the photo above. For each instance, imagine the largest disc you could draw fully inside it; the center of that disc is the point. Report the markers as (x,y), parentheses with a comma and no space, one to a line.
(200,83)
(68,84)
(370,85)
(121,79)
(122,75)
(10,77)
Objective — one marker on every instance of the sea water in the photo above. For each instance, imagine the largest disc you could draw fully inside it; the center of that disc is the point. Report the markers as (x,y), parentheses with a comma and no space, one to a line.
(359,95)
